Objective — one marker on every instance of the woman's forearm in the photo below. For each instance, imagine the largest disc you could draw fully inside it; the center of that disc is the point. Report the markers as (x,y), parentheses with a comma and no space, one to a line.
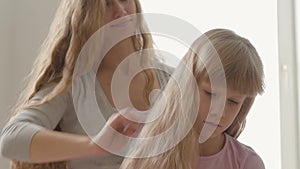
(49,146)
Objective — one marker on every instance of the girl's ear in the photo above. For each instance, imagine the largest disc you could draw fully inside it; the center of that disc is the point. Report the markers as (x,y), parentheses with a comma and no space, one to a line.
(239,122)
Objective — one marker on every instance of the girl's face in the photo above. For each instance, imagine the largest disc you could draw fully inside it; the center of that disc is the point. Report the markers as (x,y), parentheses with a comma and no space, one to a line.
(118,8)
(233,103)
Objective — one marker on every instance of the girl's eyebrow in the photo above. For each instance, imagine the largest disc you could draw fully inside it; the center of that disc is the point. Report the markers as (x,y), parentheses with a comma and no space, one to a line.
(237,98)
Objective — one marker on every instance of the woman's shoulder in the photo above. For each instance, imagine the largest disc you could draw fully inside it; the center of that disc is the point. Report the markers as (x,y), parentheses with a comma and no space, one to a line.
(164,67)
(163,72)
(45,90)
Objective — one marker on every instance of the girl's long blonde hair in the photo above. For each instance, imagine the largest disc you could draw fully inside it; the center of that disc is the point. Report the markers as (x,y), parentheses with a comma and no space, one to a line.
(243,72)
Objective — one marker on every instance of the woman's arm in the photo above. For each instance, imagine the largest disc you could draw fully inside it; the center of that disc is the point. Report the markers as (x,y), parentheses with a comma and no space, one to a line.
(49,146)
(56,146)
(17,134)
(29,135)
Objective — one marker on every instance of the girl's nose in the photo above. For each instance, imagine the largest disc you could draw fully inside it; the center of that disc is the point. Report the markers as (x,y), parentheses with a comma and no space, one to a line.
(218,110)
(217,114)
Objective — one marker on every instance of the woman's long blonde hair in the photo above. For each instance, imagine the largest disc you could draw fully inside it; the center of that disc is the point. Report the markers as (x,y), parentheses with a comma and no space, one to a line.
(243,71)
(74,23)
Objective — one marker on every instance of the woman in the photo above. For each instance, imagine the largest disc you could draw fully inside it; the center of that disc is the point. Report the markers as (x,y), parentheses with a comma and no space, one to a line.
(45,128)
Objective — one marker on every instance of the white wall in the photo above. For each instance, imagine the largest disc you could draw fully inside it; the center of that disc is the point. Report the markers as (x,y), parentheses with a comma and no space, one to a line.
(5,49)
(5,65)
(297,20)
(23,26)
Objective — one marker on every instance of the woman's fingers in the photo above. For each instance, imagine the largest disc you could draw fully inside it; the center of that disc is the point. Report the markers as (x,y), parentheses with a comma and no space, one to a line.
(124,125)
(134,115)
(118,131)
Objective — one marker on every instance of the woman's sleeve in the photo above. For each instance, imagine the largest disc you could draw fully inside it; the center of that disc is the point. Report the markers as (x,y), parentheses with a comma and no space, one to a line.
(17,134)
(165,72)
(254,161)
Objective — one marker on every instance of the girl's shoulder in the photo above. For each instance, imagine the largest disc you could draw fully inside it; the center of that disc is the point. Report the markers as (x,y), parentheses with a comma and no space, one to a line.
(237,145)
(245,154)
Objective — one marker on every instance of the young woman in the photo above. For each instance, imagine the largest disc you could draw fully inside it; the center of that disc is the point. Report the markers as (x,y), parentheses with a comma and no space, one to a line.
(46,128)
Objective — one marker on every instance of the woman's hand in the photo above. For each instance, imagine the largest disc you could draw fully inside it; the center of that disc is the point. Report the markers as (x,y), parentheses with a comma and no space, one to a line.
(118,130)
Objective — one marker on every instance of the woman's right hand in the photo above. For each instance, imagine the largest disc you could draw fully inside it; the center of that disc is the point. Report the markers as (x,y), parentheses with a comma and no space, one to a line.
(119,129)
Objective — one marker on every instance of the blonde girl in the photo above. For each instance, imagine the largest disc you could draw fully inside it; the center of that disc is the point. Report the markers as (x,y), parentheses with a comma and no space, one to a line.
(204,113)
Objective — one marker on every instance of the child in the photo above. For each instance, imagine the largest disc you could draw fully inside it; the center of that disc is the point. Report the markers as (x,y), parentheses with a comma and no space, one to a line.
(205,111)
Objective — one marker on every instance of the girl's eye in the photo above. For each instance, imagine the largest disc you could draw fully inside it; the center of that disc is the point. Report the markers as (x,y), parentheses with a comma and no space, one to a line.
(208,93)
(108,3)
(233,102)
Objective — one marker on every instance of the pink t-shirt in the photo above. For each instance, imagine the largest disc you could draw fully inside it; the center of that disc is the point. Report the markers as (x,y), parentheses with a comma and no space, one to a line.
(234,155)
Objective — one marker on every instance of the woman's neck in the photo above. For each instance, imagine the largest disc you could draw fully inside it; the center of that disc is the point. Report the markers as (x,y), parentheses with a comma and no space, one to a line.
(212,145)
(116,55)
